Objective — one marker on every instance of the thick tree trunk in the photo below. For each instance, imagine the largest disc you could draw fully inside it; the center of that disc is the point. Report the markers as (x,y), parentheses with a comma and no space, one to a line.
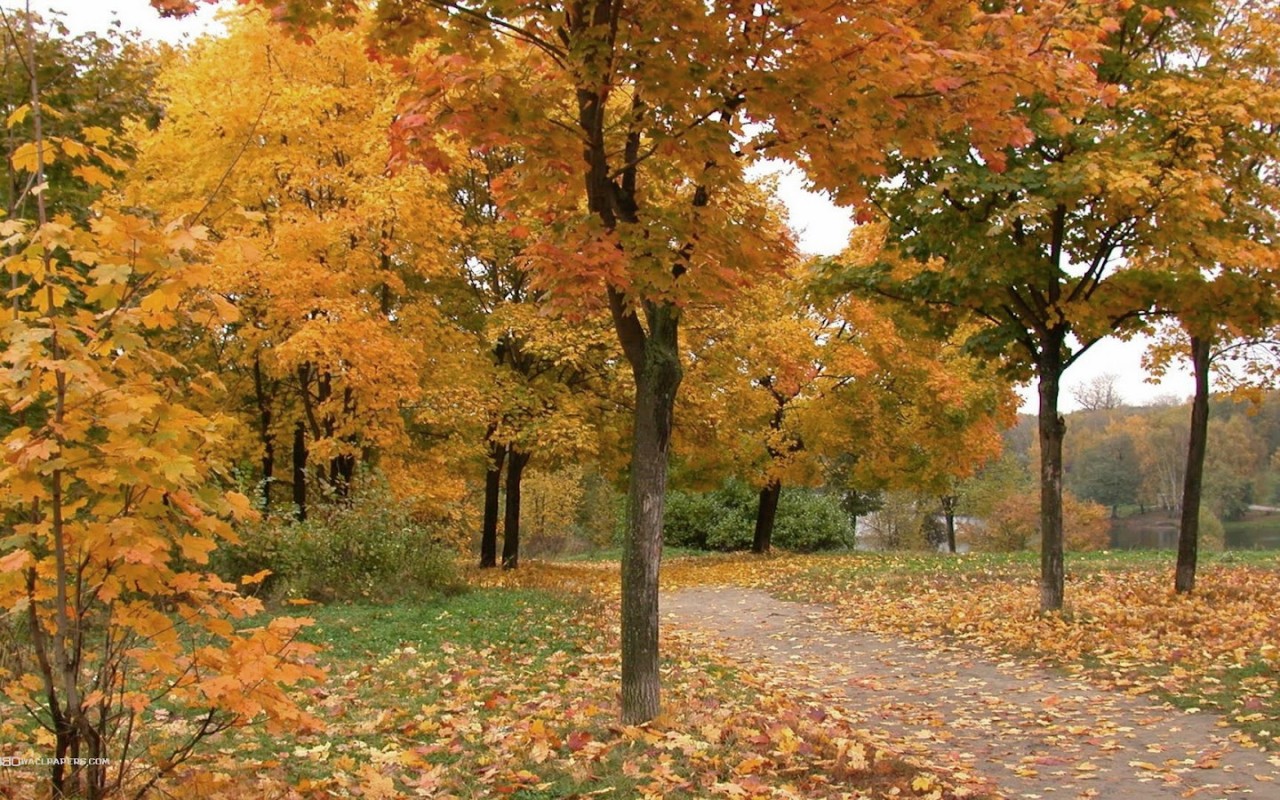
(516,462)
(300,471)
(657,379)
(949,513)
(1052,430)
(492,491)
(1189,531)
(766,514)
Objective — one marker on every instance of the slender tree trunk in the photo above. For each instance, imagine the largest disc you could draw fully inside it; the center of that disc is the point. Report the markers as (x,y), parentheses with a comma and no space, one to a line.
(300,471)
(657,379)
(1052,429)
(949,513)
(516,462)
(1189,531)
(265,435)
(766,514)
(492,492)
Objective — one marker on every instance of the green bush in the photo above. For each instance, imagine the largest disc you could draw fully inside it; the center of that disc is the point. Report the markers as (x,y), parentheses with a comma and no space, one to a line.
(810,520)
(370,551)
(725,519)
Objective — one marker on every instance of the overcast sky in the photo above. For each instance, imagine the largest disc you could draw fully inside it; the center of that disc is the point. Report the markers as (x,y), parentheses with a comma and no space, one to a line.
(823,227)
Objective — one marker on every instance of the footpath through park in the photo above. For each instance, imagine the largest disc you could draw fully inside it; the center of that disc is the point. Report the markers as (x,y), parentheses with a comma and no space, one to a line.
(1029,732)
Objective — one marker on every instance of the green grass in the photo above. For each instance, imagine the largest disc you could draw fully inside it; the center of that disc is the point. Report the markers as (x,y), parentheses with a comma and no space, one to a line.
(518,619)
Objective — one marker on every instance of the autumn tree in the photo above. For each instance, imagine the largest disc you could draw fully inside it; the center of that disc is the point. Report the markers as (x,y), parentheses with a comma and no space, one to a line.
(112,494)
(1214,259)
(340,356)
(90,80)
(548,372)
(647,106)
(1039,241)
(787,379)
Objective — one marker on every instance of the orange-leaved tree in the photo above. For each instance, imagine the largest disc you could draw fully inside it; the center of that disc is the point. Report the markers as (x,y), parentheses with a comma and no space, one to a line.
(112,497)
(637,120)
(340,356)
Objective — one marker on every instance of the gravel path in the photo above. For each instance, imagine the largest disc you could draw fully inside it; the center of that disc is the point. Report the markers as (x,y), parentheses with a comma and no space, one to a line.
(1030,732)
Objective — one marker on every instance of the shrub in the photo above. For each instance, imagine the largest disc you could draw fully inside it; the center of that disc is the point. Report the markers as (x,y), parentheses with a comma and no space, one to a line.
(372,550)
(1014,524)
(725,519)
(810,520)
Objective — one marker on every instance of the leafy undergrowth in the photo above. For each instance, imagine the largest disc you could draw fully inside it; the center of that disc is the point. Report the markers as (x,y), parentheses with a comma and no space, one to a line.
(1123,626)
(510,690)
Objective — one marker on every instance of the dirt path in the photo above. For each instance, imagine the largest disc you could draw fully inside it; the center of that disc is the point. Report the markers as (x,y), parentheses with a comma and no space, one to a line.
(1032,733)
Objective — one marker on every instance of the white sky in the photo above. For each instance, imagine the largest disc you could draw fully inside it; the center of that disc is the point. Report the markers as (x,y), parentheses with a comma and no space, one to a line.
(823,227)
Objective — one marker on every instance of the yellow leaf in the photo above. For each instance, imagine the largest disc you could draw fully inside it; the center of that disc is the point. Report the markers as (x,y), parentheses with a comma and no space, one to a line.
(18,115)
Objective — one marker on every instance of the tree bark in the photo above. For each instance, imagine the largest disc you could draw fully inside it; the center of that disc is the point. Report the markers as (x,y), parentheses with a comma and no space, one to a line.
(949,513)
(1052,429)
(657,378)
(300,471)
(516,462)
(492,491)
(1189,531)
(766,514)
(265,436)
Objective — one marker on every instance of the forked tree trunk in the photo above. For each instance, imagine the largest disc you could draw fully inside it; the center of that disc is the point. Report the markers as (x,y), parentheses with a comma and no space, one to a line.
(1052,430)
(516,462)
(766,514)
(492,492)
(1189,532)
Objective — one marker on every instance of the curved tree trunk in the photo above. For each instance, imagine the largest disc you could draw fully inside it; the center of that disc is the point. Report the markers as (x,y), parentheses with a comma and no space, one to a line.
(1189,532)
(492,491)
(1052,430)
(516,462)
(766,514)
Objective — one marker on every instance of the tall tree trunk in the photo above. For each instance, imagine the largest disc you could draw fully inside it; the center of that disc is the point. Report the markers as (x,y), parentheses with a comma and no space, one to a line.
(300,471)
(1189,531)
(265,435)
(654,355)
(657,378)
(1052,430)
(766,514)
(516,462)
(949,513)
(492,491)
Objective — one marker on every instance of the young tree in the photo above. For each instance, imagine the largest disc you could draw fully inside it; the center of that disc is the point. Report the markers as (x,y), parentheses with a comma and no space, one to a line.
(111,493)
(1215,260)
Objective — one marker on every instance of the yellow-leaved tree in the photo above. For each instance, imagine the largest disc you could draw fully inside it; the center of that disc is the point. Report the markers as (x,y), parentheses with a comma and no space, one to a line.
(112,498)
(340,355)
